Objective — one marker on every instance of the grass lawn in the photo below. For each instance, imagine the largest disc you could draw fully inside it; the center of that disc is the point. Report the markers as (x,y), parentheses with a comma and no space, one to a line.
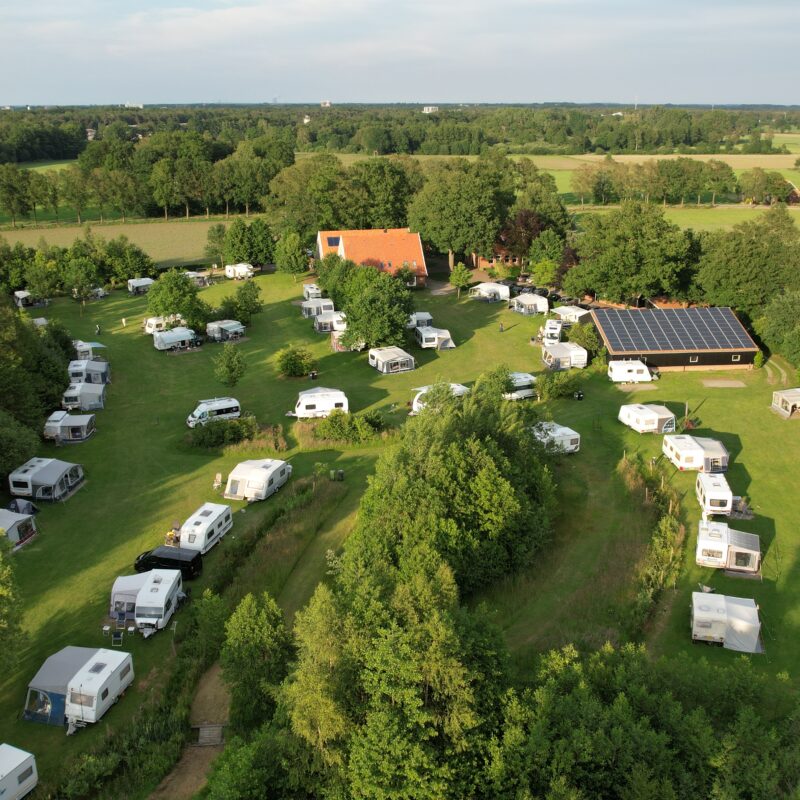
(47,166)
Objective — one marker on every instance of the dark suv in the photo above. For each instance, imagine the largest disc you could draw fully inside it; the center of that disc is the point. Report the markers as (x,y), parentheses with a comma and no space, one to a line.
(189,562)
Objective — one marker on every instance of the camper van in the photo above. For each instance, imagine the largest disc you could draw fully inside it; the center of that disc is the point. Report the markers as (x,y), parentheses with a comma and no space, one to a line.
(418,403)
(647,418)
(433,338)
(153,325)
(523,386)
(714,494)
(558,438)
(213,409)
(189,562)
(695,453)
(311,291)
(730,621)
(175,339)
(315,306)
(205,527)
(721,547)
(239,272)
(18,775)
(61,426)
(139,285)
(319,402)
(257,479)
(551,332)
(389,360)
(629,371)
(564,355)
(223,330)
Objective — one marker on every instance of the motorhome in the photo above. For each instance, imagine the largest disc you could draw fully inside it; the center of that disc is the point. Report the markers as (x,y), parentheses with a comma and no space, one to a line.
(329,321)
(311,291)
(572,315)
(153,325)
(730,621)
(433,338)
(315,306)
(18,774)
(205,527)
(629,371)
(139,285)
(319,402)
(213,409)
(223,330)
(89,371)
(175,339)
(721,547)
(257,479)
(419,319)
(389,360)
(86,350)
(529,304)
(523,386)
(46,479)
(19,528)
(564,355)
(558,438)
(418,403)
(239,272)
(647,418)
(63,427)
(695,453)
(551,332)
(84,396)
(713,494)
(77,685)
(491,292)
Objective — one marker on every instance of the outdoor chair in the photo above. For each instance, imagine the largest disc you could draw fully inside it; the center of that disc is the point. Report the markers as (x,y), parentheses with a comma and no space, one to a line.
(120,620)
(116,638)
(217,481)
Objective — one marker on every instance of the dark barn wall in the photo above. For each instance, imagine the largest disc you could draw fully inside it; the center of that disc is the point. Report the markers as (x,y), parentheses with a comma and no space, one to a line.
(680,360)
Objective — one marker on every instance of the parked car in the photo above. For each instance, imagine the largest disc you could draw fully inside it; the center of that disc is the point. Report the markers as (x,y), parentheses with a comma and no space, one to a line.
(189,562)
(554,297)
(541,292)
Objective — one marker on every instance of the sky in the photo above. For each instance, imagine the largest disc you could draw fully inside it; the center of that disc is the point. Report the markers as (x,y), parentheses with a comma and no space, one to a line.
(419,51)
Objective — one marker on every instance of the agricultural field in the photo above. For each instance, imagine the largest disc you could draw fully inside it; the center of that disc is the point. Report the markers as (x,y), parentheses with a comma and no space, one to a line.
(141,476)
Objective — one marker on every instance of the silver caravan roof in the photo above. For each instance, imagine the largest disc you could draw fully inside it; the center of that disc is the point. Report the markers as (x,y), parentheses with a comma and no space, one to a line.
(59,669)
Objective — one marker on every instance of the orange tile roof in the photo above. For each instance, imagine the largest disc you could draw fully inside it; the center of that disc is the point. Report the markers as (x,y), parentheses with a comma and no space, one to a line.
(392,248)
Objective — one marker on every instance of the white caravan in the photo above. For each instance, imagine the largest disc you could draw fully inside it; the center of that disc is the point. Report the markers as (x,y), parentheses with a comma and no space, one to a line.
(315,306)
(153,325)
(196,278)
(61,426)
(523,386)
(329,321)
(175,339)
(96,687)
(46,479)
(389,360)
(148,599)
(205,527)
(311,291)
(695,453)
(730,621)
(214,408)
(418,403)
(529,304)
(89,371)
(713,494)
(572,315)
(419,319)
(40,322)
(239,272)
(551,332)
(558,438)
(629,370)
(491,292)
(84,350)
(257,479)
(84,396)
(435,338)
(319,402)
(222,330)
(564,355)
(139,285)
(647,418)
(721,547)
(786,402)
(23,299)
(19,528)
(18,775)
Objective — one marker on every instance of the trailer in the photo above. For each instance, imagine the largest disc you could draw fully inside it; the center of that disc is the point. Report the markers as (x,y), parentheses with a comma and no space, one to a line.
(629,370)
(389,360)
(491,292)
(523,386)
(159,597)
(139,285)
(730,621)
(239,272)
(84,397)
(197,278)
(419,401)
(19,528)
(434,338)
(89,371)
(311,291)
(257,479)
(46,479)
(319,402)
(695,453)
(572,315)
(564,355)
(205,527)
(557,438)
(786,402)
(63,427)
(315,306)
(153,325)
(213,409)
(721,547)
(550,333)
(529,304)
(176,339)
(713,494)
(329,321)
(647,418)
(223,330)
(18,774)
(89,350)
(419,319)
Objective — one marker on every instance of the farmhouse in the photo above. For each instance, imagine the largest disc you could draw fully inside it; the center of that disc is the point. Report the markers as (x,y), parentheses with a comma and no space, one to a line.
(572,315)
(46,479)
(319,402)
(18,774)
(676,338)
(529,304)
(222,330)
(88,350)
(89,371)
(315,306)
(721,547)
(390,359)
(434,338)
(387,249)
(730,621)
(786,402)
(84,396)
(61,426)
(18,527)
(419,319)
(257,479)
(329,321)
(557,437)
(695,453)
(647,418)
(564,355)
(139,285)
(491,292)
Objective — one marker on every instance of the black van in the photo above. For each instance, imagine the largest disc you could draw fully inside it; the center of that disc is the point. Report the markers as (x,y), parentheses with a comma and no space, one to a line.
(189,562)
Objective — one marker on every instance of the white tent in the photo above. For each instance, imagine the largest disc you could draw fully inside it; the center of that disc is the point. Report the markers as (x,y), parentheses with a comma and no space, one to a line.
(564,355)
(530,304)
(419,319)
(311,291)
(418,403)
(629,370)
(46,479)
(124,591)
(89,370)
(523,386)
(491,292)
(319,402)
(257,479)
(40,322)
(23,299)
(390,359)
(84,396)
(730,621)
(434,338)
(19,528)
(557,437)
(572,315)
(721,547)
(18,774)
(647,418)
(139,285)
(786,402)
(174,339)
(315,306)
(223,329)
(61,426)
(695,453)
(329,321)
(196,278)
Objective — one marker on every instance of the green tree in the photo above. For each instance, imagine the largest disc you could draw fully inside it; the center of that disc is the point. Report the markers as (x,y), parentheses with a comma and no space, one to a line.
(14,191)
(124,192)
(43,276)
(290,257)
(460,277)
(544,272)
(162,184)
(237,243)
(18,443)
(215,244)
(80,278)
(547,245)
(224,181)
(719,178)
(262,245)
(251,179)
(230,365)
(248,301)
(38,189)
(11,609)
(390,184)
(175,293)
(295,362)
(75,189)
(585,335)
(377,308)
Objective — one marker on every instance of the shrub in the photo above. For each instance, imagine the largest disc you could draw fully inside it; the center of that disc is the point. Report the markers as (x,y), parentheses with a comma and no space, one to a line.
(343,427)
(295,362)
(758,361)
(222,432)
(552,385)
(585,335)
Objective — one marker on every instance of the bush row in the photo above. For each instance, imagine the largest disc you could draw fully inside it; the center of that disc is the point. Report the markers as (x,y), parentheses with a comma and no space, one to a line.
(219,433)
(352,428)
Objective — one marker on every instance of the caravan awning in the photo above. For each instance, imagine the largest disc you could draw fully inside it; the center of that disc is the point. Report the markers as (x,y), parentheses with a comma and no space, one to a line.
(59,669)
(743,626)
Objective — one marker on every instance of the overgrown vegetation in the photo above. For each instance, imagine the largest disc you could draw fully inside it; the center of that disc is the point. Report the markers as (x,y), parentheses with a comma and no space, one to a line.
(552,385)
(341,426)
(295,362)
(221,432)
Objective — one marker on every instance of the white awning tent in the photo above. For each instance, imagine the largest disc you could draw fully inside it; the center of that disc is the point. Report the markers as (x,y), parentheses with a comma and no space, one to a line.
(46,479)
(721,547)
(239,271)
(139,285)
(315,306)
(730,621)
(61,426)
(530,304)
(564,355)
(223,329)
(491,292)
(329,321)
(174,339)
(786,402)
(419,319)
(123,595)
(572,315)
(389,360)
(88,350)
(89,370)
(84,396)
(19,528)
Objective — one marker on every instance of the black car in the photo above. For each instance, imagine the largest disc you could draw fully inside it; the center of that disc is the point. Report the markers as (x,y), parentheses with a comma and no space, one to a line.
(553,297)
(189,562)
(541,292)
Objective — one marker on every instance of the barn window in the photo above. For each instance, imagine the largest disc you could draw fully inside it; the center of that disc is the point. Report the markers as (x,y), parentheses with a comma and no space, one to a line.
(694,359)
(737,357)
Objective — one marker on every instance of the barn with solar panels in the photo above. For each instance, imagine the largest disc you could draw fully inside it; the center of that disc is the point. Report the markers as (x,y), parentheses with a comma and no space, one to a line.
(676,338)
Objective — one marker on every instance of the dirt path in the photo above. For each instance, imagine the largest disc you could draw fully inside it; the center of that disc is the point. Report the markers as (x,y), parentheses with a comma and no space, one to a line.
(784,376)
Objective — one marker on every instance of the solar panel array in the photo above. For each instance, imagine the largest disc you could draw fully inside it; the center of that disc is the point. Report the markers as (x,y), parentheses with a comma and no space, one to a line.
(672,329)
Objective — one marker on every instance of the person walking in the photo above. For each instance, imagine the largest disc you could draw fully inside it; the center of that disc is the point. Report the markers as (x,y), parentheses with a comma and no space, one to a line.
(501,327)
(97,330)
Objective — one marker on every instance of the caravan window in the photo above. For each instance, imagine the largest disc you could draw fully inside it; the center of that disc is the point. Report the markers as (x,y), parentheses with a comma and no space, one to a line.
(192,537)
(718,503)
(743,559)
(24,775)
(78,699)
(168,605)
(311,408)
(283,471)
(125,671)
(702,624)
(19,484)
(270,482)
(149,612)
(712,553)
(338,405)
(104,694)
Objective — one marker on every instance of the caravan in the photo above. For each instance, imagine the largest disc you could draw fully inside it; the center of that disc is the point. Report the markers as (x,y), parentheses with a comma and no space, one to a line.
(89,350)
(197,278)
(721,547)
(329,321)
(205,527)
(647,418)
(551,332)
(84,396)
(564,355)
(529,304)
(139,285)
(175,339)
(572,315)
(19,528)
(18,775)
(714,495)
(523,386)
(730,621)
(46,479)
(315,306)
(319,402)
(311,291)
(257,479)
(695,453)
(418,403)
(557,438)
(223,330)
(419,319)
(213,409)
(239,272)
(149,599)
(153,325)
(89,371)
(629,370)
(61,426)
(491,292)
(436,338)
(389,360)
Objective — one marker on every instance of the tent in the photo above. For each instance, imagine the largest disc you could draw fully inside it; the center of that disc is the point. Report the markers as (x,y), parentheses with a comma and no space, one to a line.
(329,321)
(564,355)
(390,359)
(123,594)
(419,319)
(84,396)
(786,402)
(315,306)
(491,292)
(197,278)
(572,315)
(20,506)
(46,479)
(19,528)
(139,285)
(530,304)
(89,371)
(730,621)
(40,322)
(239,271)
(22,299)
(436,338)
(721,547)
(647,418)
(61,426)
(257,479)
